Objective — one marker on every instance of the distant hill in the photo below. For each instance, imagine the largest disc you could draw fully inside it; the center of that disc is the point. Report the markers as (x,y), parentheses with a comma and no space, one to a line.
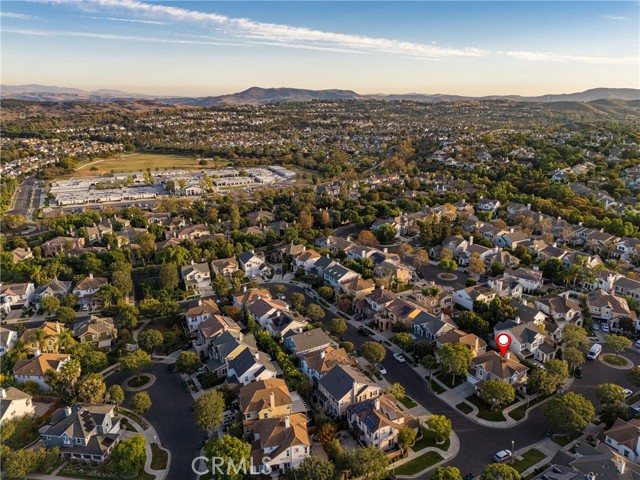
(264,96)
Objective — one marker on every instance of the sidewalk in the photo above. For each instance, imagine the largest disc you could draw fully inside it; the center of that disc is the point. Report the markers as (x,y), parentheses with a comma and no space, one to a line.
(151,436)
(453,450)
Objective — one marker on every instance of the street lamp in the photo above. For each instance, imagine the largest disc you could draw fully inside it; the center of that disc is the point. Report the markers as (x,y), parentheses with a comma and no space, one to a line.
(513,450)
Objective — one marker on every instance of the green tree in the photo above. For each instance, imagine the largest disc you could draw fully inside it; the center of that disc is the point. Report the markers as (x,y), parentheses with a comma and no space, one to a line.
(448,265)
(110,295)
(446,473)
(315,312)
(188,362)
(570,413)
(129,455)
(141,403)
(558,370)
(373,352)
(541,382)
(455,359)
(573,356)
(209,410)
(496,393)
(369,463)
(297,301)
(610,394)
(115,393)
(136,361)
(91,389)
(234,453)
(314,468)
(386,233)
(404,341)
(575,336)
(499,471)
(50,304)
(327,293)
(150,339)
(440,426)
(168,276)
(617,343)
(65,315)
(221,286)
(406,438)
(397,390)
(634,376)
(121,277)
(337,326)
(91,360)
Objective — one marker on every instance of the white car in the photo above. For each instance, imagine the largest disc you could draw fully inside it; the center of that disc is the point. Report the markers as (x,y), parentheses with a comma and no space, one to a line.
(595,327)
(605,327)
(281,296)
(381,369)
(399,357)
(636,344)
(502,456)
(627,393)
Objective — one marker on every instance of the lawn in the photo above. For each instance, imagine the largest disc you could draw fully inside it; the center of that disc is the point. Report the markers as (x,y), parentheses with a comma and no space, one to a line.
(528,460)
(464,407)
(159,457)
(139,381)
(483,410)
(563,440)
(448,379)
(407,402)
(429,440)
(613,360)
(138,162)
(135,418)
(418,464)
(435,386)
(518,413)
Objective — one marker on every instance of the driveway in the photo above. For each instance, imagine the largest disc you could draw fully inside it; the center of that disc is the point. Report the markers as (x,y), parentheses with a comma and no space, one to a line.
(172,418)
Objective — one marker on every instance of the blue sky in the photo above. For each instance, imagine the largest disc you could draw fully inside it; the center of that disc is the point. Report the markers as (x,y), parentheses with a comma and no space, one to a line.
(209,48)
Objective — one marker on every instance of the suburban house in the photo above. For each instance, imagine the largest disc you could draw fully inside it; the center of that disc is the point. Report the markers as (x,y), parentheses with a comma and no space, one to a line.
(624,438)
(55,288)
(197,278)
(16,296)
(226,347)
(377,422)
(309,341)
(358,287)
(15,404)
(86,290)
(431,327)
(263,399)
(469,340)
(376,302)
(250,263)
(486,205)
(97,331)
(512,238)
(318,363)
(59,245)
(627,248)
(342,386)
(49,341)
(284,441)
(225,267)
(249,295)
(492,366)
(530,278)
(337,274)
(33,369)
(506,286)
(561,308)
(477,293)
(8,340)
(211,329)
(306,259)
(249,366)
(86,433)
(334,244)
(610,308)
(21,254)
(438,301)
(626,287)
(188,232)
(527,340)
(204,310)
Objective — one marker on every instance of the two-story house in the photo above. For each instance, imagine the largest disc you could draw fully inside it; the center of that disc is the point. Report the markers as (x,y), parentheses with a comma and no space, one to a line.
(15,404)
(610,308)
(527,340)
(318,363)
(250,263)
(97,331)
(263,399)
(45,342)
(8,340)
(16,296)
(474,343)
(34,369)
(342,386)
(530,278)
(55,288)
(492,366)
(85,433)
(225,267)
(197,278)
(202,311)
(431,327)
(477,293)
(87,291)
(280,442)
(249,366)
(309,341)
(624,438)
(306,260)
(59,245)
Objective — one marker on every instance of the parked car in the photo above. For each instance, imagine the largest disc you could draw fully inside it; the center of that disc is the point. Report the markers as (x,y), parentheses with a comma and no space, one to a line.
(578,372)
(502,456)
(399,357)
(595,327)
(363,331)
(381,369)
(280,296)
(173,368)
(636,344)
(605,327)
(627,393)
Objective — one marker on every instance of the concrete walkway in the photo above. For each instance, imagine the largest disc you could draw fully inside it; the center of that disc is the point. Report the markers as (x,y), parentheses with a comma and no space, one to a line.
(141,327)
(453,450)
(151,436)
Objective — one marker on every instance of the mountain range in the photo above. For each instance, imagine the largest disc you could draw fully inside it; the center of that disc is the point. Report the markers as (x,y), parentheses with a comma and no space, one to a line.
(264,96)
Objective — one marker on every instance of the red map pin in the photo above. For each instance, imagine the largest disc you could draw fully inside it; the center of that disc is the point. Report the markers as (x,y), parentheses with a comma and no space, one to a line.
(503,340)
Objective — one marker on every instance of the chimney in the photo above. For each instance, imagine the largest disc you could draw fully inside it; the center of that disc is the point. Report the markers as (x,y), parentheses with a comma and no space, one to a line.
(91,276)
(67,411)
(528,206)
(36,353)
(354,389)
(200,302)
(511,230)
(536,268)
(385,250)
(620,465)
(244,289)
(376,403)
(348,238)
(517,319)
(507,355)
(272,400)
(322,354)
(555,244)
(3,393)
(470,239)
(287,422)
(579,224)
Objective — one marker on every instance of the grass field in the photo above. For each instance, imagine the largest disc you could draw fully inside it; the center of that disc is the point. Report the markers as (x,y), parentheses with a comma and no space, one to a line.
(138,162)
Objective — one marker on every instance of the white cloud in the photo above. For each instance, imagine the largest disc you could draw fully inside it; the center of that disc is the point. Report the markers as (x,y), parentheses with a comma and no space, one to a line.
(560,58)
(113,19)
(19,16)
(613,17)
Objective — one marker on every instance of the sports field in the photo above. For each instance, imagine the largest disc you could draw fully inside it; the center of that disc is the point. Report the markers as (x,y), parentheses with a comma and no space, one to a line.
(137,162)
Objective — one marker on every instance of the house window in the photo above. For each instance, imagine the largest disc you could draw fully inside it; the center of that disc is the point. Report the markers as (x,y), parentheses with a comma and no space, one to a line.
(78,441)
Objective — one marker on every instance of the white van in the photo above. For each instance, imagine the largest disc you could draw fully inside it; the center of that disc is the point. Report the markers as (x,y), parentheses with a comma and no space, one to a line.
(596,349)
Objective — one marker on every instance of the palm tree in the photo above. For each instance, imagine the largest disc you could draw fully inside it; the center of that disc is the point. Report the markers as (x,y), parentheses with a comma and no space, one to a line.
(40,338)
(65,340)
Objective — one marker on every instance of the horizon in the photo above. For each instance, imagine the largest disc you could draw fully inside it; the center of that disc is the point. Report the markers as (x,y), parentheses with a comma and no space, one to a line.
(208,49)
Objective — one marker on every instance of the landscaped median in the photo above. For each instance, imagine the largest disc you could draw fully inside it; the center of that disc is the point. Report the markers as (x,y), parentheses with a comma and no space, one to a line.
(418,464)
(425,453)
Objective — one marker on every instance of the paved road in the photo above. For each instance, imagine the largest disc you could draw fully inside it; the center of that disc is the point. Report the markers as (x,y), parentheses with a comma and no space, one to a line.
(172,418)
(22,203)
(430,272)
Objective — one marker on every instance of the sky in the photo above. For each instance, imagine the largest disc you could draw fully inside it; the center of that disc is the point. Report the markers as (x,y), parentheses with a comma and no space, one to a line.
(211,48)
